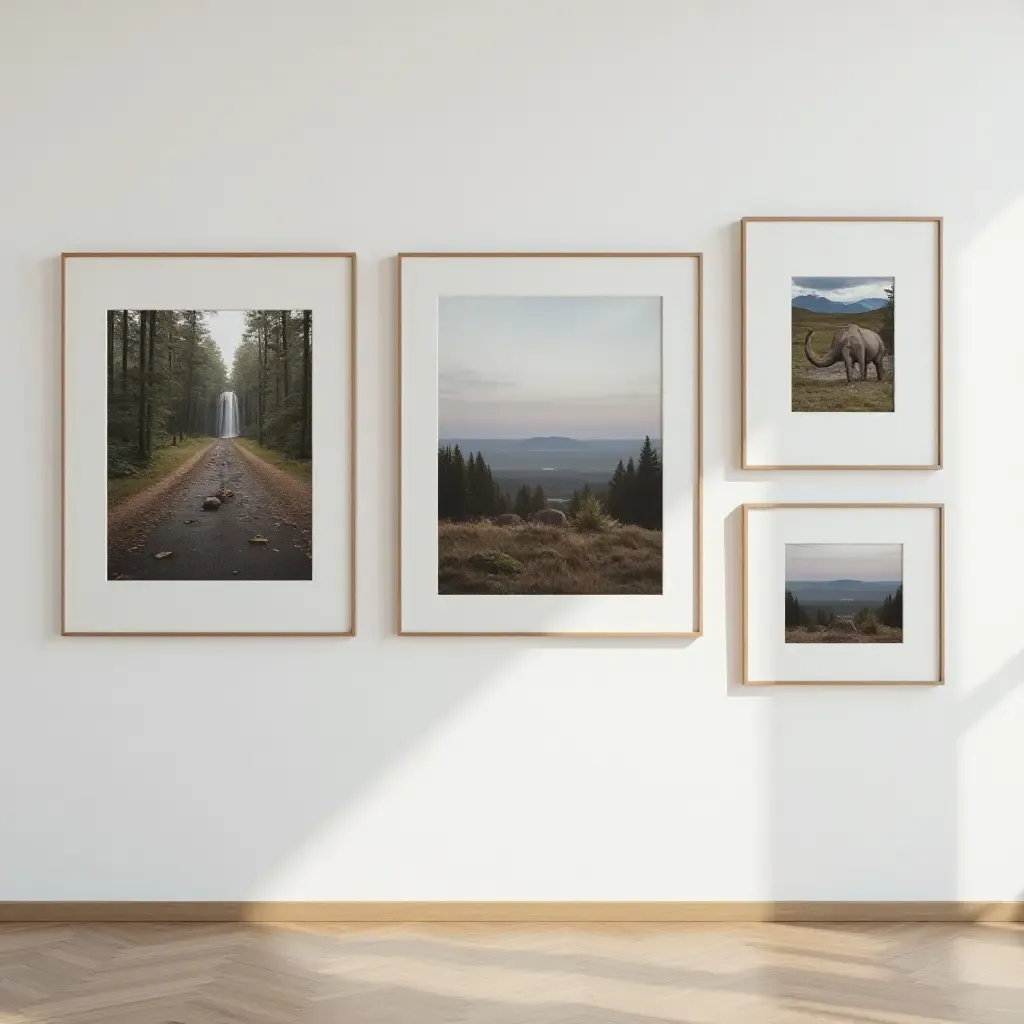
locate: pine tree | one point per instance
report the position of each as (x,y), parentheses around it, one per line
(539,499)
(647,511)
(579,496)
(887,330)
(891,612)
(466,488)
(470,485)
(616,493)
(794,613)
(523,504)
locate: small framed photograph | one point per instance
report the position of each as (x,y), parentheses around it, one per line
(208,459)
(843,594)
(550,444)
(842,343)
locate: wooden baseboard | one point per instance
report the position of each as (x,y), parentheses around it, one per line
(510,913)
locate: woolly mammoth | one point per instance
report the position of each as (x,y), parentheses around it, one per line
(549,517)
(508,519)
(851,345)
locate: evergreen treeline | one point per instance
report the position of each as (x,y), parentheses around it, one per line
(795,615)
(581,497)
(165,375)
(528,500)
(634,491)
(272,380)
(889,613)
(465,488)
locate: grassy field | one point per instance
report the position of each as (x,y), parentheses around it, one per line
(164,461)
(478,558)
(826,390)
(301,469)
(842,633)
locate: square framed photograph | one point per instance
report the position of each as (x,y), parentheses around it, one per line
(842,343)
(843,594)
(208,443)
(550,444)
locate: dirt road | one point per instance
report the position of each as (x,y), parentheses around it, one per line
(218,544)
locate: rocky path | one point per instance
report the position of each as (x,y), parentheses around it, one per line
(260,532)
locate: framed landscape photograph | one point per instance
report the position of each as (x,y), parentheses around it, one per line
(208,451)
(821,331)
(843,594)
(550,444)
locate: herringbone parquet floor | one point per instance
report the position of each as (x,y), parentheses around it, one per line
(782,974)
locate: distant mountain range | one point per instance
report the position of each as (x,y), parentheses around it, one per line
(844,597)
(550,443)
(819,304)
(843,584)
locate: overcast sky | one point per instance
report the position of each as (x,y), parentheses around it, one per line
(583,367)
(842,289)
(867,562)
(226,330)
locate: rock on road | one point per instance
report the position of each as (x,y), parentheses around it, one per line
(216,545)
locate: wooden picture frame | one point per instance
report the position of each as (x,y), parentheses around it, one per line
(772,423)
(893,524)
(323,282)
(528,274)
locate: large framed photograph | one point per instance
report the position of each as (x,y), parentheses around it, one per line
(842,343)
(208,459)
(550,444)
(843,594)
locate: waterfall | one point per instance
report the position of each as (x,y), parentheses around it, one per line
(227,415)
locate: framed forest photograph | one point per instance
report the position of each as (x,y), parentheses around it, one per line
(821,331)
(534,420)
(843,593)
(202,483)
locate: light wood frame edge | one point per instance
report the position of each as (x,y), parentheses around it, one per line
(744,599)
(539,913)
(698,631)
(937,221)
(353,427)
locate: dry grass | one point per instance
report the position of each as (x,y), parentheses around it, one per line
(480,558)
(301,469)
(827,390)
(842,634)
(167,461)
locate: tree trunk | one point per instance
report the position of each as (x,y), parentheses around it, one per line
(284,350)
(124,349)
(111,318)
(172,423)
(305,441)
(277,371)
(151,372)
(187,418)
(261,353)
(169,390)
(143,394)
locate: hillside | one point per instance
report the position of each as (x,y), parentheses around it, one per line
(843,632)
(819,304)
(827,390)
(479,558)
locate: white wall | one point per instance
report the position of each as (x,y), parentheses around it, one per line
(383,768)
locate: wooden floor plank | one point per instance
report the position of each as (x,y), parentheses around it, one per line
(521,974)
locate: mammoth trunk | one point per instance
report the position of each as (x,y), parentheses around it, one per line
(830,357)
(227,415)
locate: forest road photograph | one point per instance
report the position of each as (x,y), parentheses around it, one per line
(209,445)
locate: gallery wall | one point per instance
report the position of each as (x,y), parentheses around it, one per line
(385,768)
